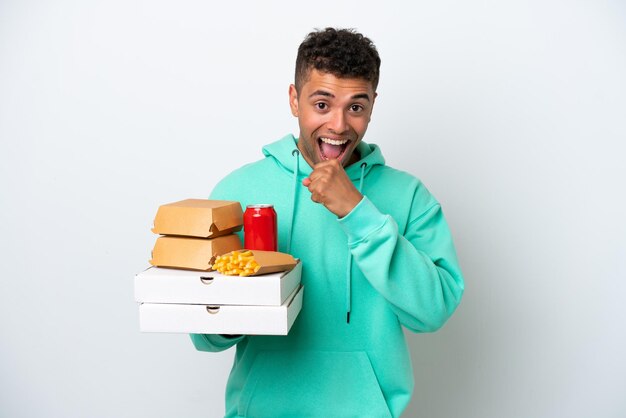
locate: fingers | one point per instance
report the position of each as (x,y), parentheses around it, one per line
(320,180)
(315,188)
(328,167)
(317,191)
(323,170)
(330,186)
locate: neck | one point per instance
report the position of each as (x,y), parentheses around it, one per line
(356,156)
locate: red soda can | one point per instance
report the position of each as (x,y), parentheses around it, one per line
(259,228)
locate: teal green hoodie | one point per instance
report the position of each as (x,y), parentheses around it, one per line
(389,263)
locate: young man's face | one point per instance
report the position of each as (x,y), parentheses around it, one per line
(333,114)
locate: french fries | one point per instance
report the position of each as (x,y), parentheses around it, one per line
(236,263)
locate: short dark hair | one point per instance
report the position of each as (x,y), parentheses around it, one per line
(343,53)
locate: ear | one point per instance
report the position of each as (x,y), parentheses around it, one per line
(293,100)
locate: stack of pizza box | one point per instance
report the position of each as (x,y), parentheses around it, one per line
(181,292)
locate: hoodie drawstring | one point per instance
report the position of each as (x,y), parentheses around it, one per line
(296,154)
(349,273)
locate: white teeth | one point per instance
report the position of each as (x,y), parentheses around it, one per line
(333,142)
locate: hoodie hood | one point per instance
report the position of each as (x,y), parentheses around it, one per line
(282,151)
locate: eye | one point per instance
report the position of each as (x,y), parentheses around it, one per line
(321,106)
(356,108)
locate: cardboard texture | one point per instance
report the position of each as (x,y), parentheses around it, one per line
(191,253)
(165,285)
(221,319)
(199,218)
(272,261)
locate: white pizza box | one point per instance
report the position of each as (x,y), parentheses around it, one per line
(166,285)
(221,319)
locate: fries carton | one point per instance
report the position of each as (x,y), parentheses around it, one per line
(253,262)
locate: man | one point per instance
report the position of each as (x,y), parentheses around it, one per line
(375,249)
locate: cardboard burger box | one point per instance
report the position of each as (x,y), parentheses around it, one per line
(201,218)
(191,253)
(194,232)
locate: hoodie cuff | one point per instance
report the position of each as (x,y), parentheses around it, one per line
(364,219)
(214,342)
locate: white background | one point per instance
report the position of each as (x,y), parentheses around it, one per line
(513,113)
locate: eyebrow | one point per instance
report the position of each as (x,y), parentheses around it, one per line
(328,94)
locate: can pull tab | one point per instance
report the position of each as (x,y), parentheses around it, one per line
(206,279)
(212,309)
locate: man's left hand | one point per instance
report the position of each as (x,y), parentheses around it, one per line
(330,185)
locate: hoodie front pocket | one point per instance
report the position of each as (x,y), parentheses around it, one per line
(312,384)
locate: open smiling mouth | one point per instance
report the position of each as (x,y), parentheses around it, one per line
(331,149)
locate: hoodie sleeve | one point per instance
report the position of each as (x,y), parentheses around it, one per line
(214,342)
(416,272)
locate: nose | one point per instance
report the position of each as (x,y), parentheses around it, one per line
(337,122)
